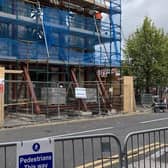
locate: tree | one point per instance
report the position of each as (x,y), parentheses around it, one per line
(146,56)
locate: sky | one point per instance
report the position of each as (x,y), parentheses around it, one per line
(134,11)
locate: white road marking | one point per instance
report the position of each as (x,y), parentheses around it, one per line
(149,121)
(81,132)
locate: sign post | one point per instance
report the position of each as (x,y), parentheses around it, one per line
(35,154)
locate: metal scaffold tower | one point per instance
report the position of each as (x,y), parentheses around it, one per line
(71,36)
(115,30)
(59,38)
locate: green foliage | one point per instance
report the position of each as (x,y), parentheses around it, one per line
(146,56)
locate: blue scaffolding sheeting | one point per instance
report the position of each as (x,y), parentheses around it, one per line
(71,37)
(76,36)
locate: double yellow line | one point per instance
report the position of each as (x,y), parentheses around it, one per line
(115,158)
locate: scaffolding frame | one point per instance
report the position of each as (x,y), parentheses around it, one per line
(29,52)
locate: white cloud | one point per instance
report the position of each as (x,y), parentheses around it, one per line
(134,11)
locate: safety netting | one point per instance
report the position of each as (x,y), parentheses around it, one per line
(76,36)
(71,38)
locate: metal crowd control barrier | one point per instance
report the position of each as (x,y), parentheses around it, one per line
(146,149)
(8,155)
(97,151)
(142,149)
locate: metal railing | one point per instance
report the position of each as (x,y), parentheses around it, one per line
(146,149)
(142,149)
(88,151)
(8,154)
(74,152)
(58,98)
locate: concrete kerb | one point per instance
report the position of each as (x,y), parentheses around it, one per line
(72,120)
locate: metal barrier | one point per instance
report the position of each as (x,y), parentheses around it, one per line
(142,149)
(8,155)
(75,152)
(88,151)
(58,98)
(146,149)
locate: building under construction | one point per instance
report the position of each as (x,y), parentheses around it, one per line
(61,55)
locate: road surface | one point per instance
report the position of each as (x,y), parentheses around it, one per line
(119,126)
(83,153)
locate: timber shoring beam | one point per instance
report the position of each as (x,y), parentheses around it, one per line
(31,89)
(74,79)
(103,92)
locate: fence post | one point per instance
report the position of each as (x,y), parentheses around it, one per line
(99,101)
(32,106)
(124,155)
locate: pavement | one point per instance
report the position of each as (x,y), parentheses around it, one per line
(25,119)
(28,127)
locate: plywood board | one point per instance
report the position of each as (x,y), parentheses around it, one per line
(2,88)
(13,71)
(90,4)
(129,96)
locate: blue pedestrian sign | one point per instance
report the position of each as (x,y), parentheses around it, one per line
(36,147)
(35,154)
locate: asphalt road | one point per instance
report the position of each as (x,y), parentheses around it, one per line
(82,152)
(120,126)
